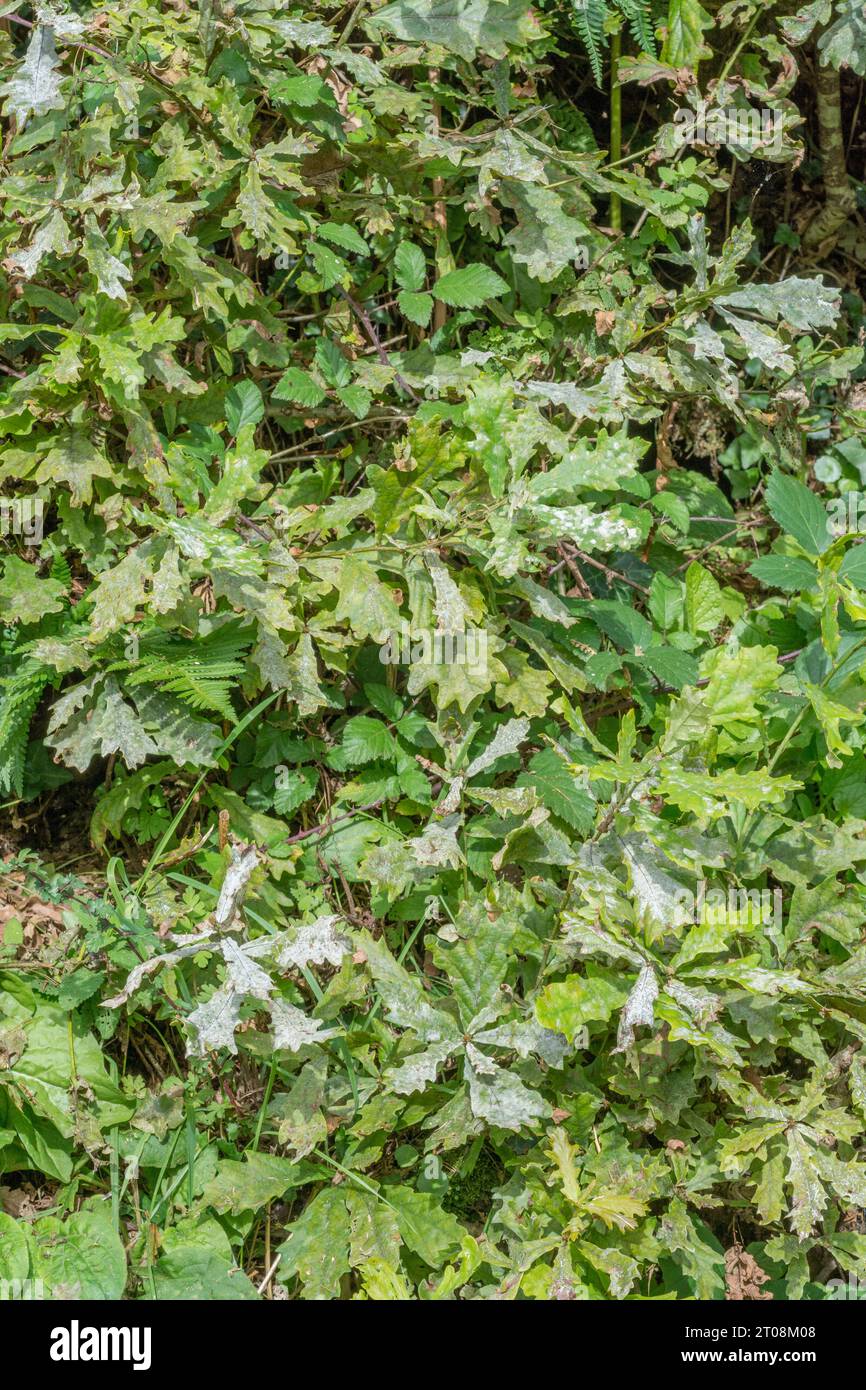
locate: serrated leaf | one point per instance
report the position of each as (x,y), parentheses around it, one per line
(244,406)
(786,572)
(418,308)
(298,386)
(410,266)
(799,512)
(470,287)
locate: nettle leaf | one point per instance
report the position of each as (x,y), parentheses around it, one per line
(799,512)
(410,266)
(853,566)
(418,308)
(298,386)
(366,740)
(244,406)
(470,287)
(786,572)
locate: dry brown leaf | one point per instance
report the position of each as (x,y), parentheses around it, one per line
(743,1276)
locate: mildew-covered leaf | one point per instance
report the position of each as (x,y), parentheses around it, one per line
(35,88)
(242,973)
(293,1029)
(500,1097)
(212,1025)
(314,943)
(638,1008)
(421,1070)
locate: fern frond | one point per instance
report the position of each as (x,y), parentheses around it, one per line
(638,16)
(589,17)
(200,685)
(60,570)
(19,696)
(202,672)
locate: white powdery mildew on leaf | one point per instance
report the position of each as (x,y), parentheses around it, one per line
(638,1008)
(589,529)
(528,1035)
(35,88)
(419,1071)
(293,1029)
(406,1004)
(243,974)
(212,1025)
(703,1006)
(314,943)
(452,613)
(51,236)
(245,858)
(507,739)
(437,847)
(500,1097)
(138,973)
(808,1197)
(658,895)
(451,800)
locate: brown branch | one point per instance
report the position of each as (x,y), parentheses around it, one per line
(370,329)
(328,824)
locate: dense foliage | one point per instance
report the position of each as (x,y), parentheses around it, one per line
(448,606)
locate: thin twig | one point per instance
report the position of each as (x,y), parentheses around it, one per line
(369,327)
(326,825)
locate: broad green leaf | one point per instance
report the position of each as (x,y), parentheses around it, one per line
(567,1006)
(24,597)
(799,512)
(246,1186)
(704,607)
(244,406)
(786,572)
(470,287)
(81,1257)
